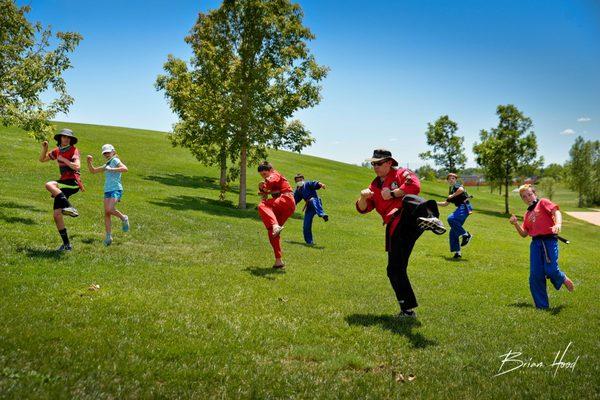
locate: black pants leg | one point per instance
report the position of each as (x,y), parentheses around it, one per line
(401,244)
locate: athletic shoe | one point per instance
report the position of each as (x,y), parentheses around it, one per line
(277,231)
(325,217)
(466,239)
(70,211)
(125,224)
(457,256)
(65,247)
(407,314)
(280,266)
(107,240)
(432,224)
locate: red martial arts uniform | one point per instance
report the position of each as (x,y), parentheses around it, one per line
(401,178)
(276,210)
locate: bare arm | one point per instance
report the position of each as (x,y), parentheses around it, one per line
(119,168)
(513,220)
(458,192)
(557,221)
(442,203)
(44,153)
(91,168)
(74,165)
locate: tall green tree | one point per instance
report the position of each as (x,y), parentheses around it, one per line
(29,67)
(581,169)
(251,71)
(448,151)
(508,149)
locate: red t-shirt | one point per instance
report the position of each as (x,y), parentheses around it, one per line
(539,221)
(70,153)
(277,183)
(401,178)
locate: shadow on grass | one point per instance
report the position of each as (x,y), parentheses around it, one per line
(263,272)
(310,246)
(452,259)
(17,220)
(90,240)
(210,206)
(34,252)
(499,214)
(403,327)
(196,182)
(12,204)
(552,310)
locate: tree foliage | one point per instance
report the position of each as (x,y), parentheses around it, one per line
(448,150)
(507,150)
(583,171)
(29,67)
(251,71)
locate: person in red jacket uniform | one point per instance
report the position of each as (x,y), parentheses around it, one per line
(67,157)
(393,194)
(276,210)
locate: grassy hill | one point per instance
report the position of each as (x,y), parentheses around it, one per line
(189,307)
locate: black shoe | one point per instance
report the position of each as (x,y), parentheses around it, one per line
(325,217)
(65,247)
(432,224)
(466,239)
(407,314)
(457,256)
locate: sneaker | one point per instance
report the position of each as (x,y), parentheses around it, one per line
(70,211)
(277,231)
(466,239)
(107,240)
(407,314)
(432,224)
(279,266)
(457,256)
(125,224)
(65,247)
(325,217)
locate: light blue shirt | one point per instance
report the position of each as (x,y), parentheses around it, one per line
(113,179)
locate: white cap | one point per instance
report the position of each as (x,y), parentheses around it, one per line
(107,148)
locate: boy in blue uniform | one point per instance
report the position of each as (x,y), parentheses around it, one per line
(458,196)
(307,190)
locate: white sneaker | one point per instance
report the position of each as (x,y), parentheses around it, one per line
(107,240)
(70,211)
(277,230)
(432,224)
(125,224)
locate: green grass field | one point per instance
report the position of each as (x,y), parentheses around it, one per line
(189,307)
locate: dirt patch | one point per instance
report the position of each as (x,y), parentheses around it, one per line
(591,217)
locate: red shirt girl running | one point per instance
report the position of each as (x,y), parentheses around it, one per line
(276,210)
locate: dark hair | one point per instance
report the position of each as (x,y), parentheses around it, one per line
(299,176)
(264,166)
(59,142)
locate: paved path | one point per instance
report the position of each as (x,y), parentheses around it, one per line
(591,217)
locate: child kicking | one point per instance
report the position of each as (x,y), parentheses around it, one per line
(113,188)
(543,222)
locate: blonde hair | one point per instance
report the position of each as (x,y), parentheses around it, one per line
(526,186)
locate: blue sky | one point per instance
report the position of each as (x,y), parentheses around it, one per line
(395,66)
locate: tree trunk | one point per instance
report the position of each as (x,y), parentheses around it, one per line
(243,161)
(223,178)
(580,202)
(506,179)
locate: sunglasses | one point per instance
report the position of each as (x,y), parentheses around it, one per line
(378,163)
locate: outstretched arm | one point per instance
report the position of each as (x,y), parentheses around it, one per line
(44,153)
(119,168)
(557,221)
(513,220)
(91,168)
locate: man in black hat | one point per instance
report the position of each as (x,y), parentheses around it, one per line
(393,193)
(67,157)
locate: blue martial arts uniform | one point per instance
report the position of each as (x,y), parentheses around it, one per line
(543,263)
(458,217)
(308,192)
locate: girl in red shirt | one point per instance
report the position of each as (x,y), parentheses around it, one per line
(276,210)
(543,222)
